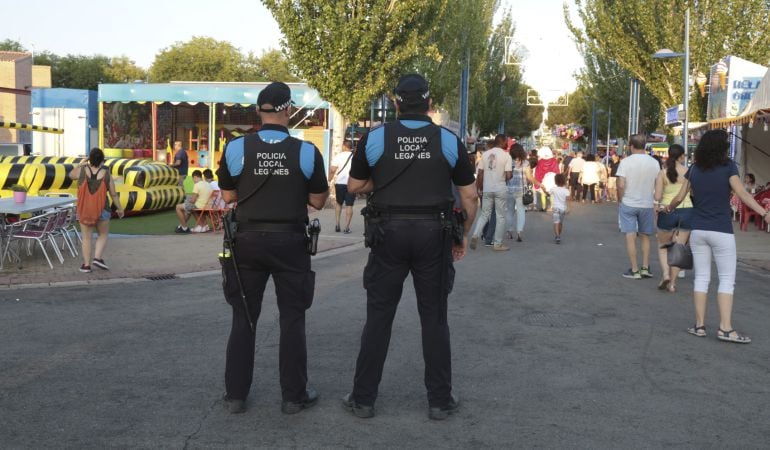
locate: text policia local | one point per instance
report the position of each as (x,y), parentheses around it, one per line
(412,147)
(268,161)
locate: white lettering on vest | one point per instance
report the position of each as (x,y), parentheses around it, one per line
(410,147)
(268,161)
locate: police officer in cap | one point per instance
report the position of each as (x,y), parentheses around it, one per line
(273,177)
(410,166)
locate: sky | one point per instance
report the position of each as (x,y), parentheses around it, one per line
(141,28)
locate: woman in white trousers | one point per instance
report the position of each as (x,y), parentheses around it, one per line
(710,180)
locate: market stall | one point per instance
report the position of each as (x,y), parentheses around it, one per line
(146,119)
(751,146)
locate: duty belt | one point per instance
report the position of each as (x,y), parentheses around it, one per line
(418,216)
(272,227)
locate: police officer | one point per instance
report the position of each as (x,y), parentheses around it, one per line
(409,166)
(272,176)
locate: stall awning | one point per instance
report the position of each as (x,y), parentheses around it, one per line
(193,92)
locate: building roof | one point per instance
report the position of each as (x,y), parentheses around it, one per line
(206,92)
(13,56)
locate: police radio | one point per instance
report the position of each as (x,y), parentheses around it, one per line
(313,230)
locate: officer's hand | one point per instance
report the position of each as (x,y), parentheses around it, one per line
(458,251)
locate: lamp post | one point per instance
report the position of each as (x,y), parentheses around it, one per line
(666,53)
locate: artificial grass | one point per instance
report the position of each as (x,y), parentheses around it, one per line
(157,223)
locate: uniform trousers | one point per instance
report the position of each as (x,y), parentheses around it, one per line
(259,255)
(419,247)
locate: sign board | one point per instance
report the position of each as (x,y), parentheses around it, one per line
(672,114)
(732,82)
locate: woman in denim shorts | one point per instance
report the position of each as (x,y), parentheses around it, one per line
(667,185)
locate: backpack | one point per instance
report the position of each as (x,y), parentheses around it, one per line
(92,196)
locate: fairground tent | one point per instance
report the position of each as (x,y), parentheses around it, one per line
(752,150)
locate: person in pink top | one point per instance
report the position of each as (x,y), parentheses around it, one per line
(545,171)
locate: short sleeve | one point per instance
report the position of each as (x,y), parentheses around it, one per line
(226,181)
(359,165)
(733,168)
(508,163)
(317,183)
(462,174)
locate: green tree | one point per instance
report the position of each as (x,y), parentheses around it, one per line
(272,65)
(352,51)
(464,32)
(604,85)
(200,59)
(80,71)
(629,32)
(499,93)
(46,58)
(121,69)
(9,45)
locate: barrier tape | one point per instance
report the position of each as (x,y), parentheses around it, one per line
(29,127)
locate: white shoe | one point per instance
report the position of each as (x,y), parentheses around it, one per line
(681,274)
(196,229)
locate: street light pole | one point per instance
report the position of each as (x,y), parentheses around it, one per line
(686,91)
(609,123)
(666,53)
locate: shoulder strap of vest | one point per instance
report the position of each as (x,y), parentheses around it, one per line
(241,201)
(400,172)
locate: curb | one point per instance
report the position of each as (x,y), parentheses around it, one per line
(107,281)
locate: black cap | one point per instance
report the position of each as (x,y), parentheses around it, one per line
(277,95)
(412,88)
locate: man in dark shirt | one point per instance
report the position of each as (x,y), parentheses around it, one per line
(180,162)
(612,185)
(273,177)
(409,166)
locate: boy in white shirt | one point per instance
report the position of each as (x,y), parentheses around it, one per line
(559,198)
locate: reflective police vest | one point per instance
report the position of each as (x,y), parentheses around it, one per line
(282,197)
(427,182)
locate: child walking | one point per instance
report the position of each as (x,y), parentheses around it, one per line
(559,199)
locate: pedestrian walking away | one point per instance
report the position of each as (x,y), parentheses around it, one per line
(273,177)
(612,186)
(667,186)
(590,176)
(545,173)
(711,179)
(338,175)
(95,184)
(410,227)
(560,197)
(573,171)
(636,214)
(517,185)
(494,171)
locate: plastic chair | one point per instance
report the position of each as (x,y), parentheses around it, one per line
(36,229)
(746,215)
(211,213)
(61,229)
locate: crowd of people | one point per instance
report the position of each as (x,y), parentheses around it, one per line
(510,181)
(665,198)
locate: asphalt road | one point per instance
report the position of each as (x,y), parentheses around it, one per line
(140,365)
